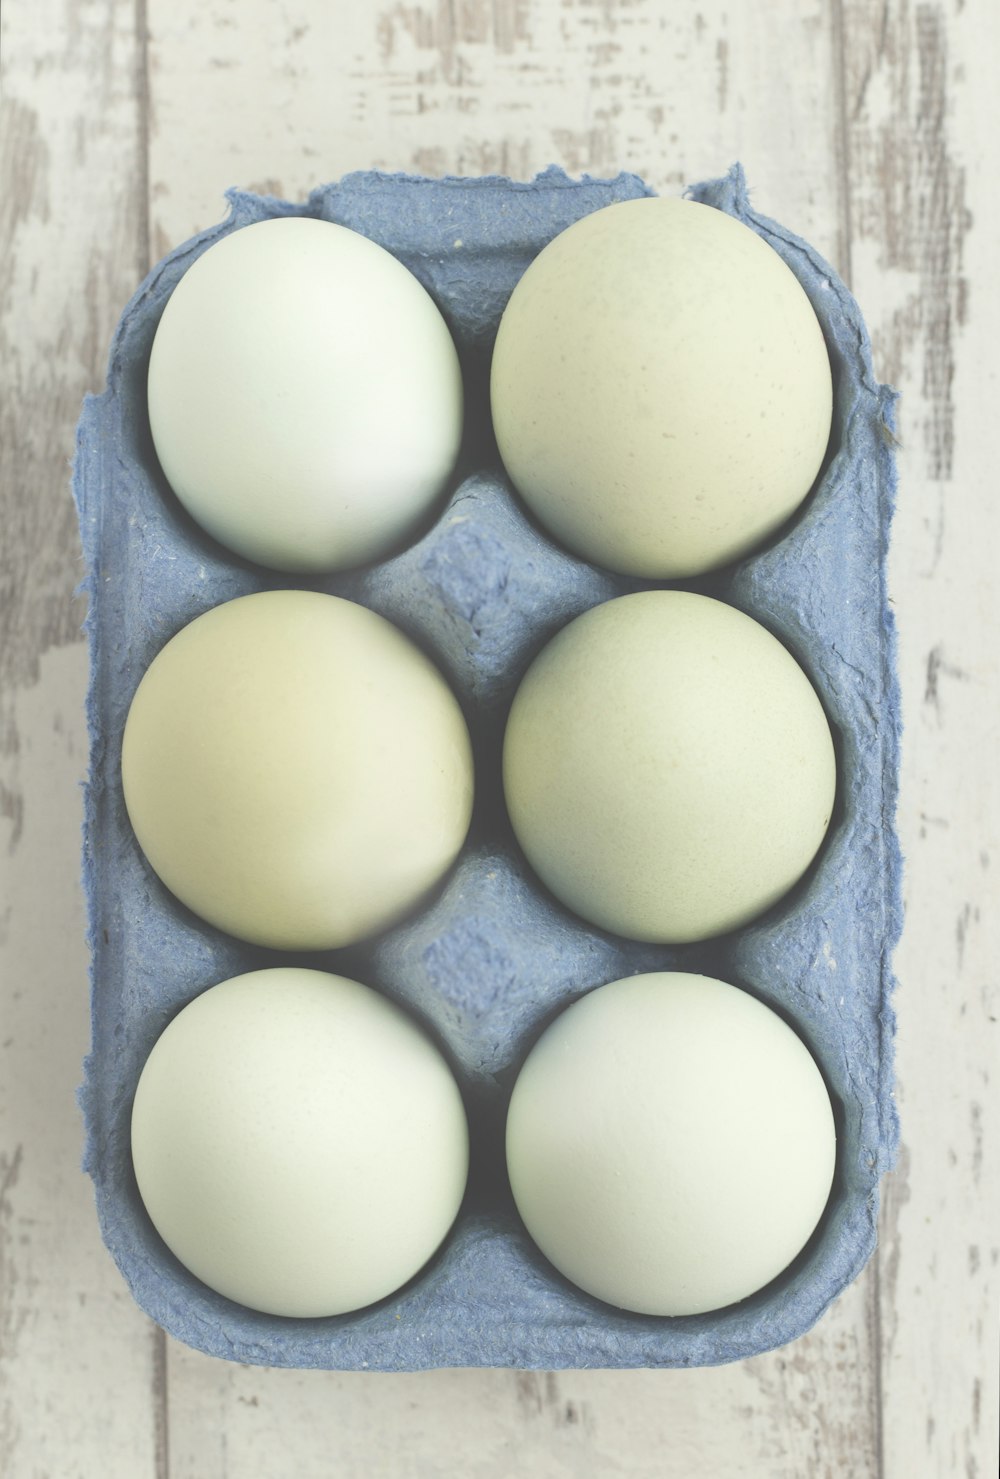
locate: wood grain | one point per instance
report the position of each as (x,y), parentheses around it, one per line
(473,87)
(75,1353)
(861,125)
(920,97)
(75,1368)
(773,1416)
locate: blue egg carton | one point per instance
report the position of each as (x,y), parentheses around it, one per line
(493,957)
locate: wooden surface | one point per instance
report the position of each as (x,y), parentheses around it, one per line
(868,126)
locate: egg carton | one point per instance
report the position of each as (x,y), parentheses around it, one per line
(493,957)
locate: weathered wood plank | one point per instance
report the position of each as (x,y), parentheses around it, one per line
(76,1368)
(783,1416)
(284,100)
(281,98)
(921,99)
(75,1355)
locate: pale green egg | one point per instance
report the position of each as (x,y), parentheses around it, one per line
(668,767)
(661,389)
(670,1144)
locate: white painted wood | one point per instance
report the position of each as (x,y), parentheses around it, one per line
(291,95)
(784,1416)
(76,1356)
(868,129)
(921,101)
(77,1359)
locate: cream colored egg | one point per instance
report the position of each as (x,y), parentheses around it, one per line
(299,1143)
(661,390)
(670,1144)
(305,396)
(296,771)
(668,768)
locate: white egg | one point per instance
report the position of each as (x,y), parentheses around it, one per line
(299,1143)
(296,771)
(661,389)
(668,768)
(670,1144)
(305,396)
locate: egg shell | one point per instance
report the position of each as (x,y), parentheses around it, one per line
(491,959)
(281,353)
(281,1125)
(668,768)
(296,770)
(660,387)
(670,1143)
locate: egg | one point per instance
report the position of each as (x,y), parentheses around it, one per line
(661,389)
(296,771)
(670,1144)
(305,396)
(668,767)
(299,1142)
